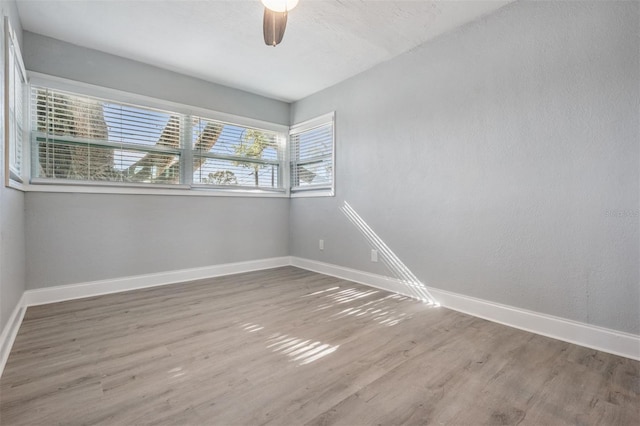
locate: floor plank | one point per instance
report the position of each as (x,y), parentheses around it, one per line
(288,346)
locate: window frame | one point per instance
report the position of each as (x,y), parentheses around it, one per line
(37,137)
(14,174)
(313,123)
(281,139)
(186,187)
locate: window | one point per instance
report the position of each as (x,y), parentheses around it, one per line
(80,138)
(15,83)
(227,154)
(312,156)
(77,138)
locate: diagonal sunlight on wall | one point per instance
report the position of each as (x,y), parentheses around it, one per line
(412,284)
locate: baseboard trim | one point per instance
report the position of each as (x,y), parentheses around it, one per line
(587,335)
(62,293)
(599,338)
(590,336)
(10,332)
(355,275)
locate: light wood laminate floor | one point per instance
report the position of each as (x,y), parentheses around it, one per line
(291,347)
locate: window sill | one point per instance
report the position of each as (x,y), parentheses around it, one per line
(314,193)
(18,186)
(180,190)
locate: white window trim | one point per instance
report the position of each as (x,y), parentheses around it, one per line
(308,125)
(12,178)
(57,83)
(142,189)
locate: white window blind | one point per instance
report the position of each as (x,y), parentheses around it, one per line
(79,138)
(83,138)
(232,155)
(15,84)
(312,154)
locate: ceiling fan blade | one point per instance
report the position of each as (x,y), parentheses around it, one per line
(274,24)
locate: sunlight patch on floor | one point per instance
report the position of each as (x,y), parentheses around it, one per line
(351,302)
(378,310)
(298,350)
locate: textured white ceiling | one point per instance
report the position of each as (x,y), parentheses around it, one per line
(326,41)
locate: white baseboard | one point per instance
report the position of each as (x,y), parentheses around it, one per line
(372,280)
(590,336)
(606,340)
(10,331)
(61,293)
(599,338)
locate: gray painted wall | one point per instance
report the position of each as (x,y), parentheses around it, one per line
(12,236)
(60,59)
(74,238)
(499,161)
(12,251)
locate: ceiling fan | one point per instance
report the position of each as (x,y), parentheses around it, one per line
(275,19)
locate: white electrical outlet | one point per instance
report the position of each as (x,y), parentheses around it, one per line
(374,255)
(321,244)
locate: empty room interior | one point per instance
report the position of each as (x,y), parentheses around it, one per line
(320,212)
